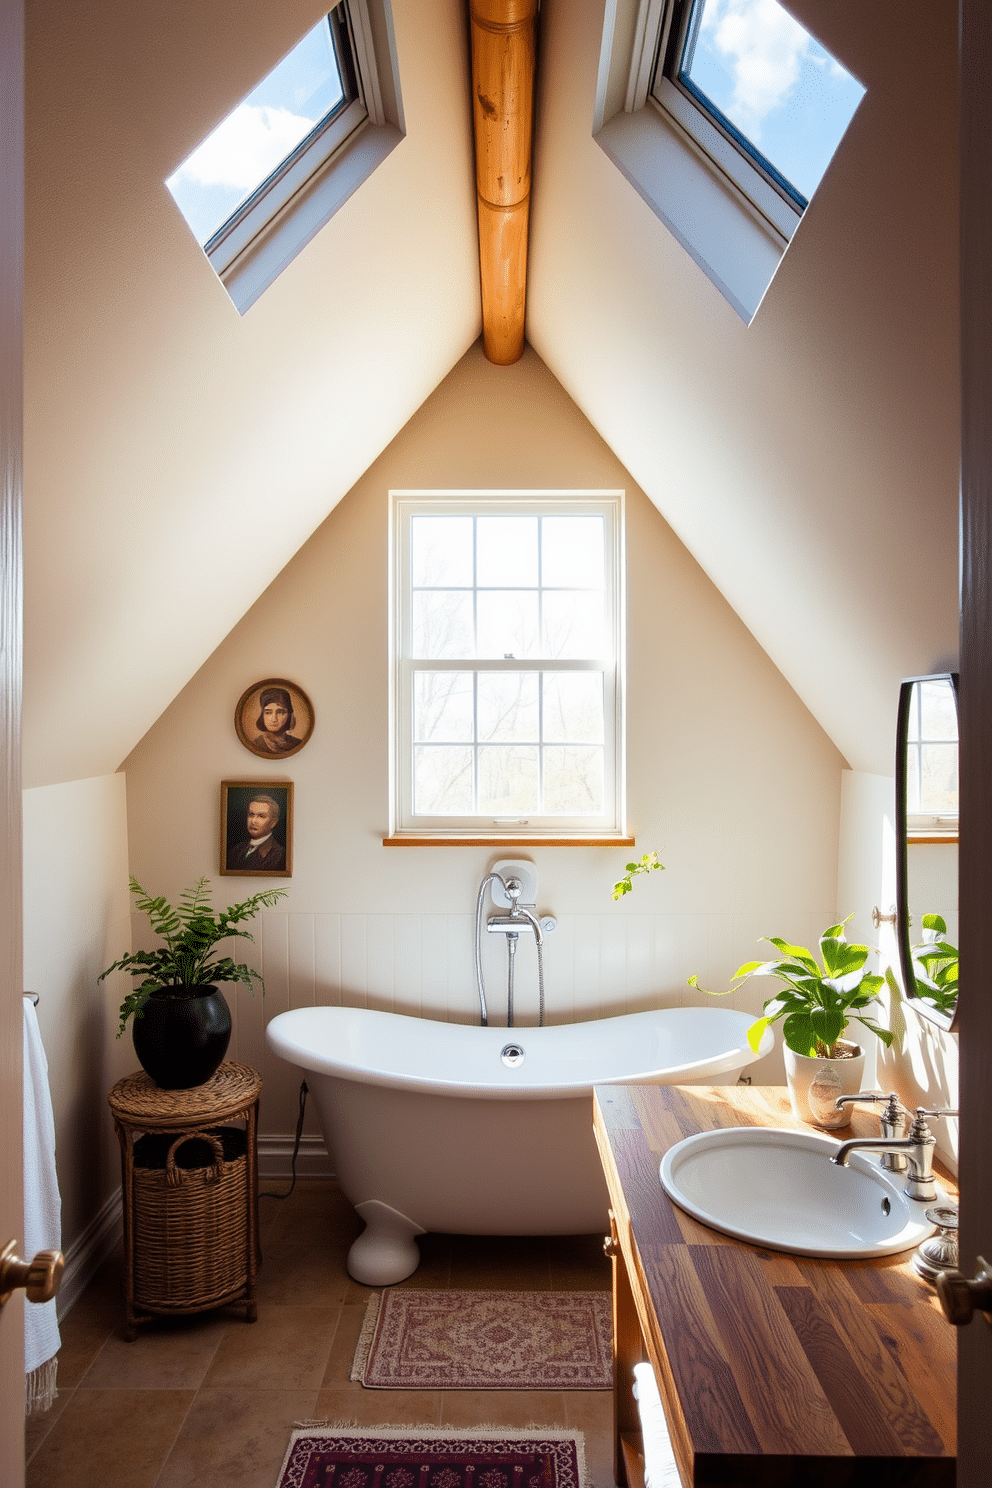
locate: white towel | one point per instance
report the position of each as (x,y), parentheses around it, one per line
(42,1213)
(660,1467)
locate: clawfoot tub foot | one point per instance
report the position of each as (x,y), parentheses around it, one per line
(385,1252)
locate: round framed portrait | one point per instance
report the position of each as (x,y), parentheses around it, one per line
(274,718)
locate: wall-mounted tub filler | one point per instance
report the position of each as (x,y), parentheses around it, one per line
(525,872)
(508,883)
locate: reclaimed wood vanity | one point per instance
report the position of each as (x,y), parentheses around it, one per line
(773,1369)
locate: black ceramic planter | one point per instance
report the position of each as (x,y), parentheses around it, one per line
(181,1041)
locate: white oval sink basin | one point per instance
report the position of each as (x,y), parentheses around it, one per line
(779,1189)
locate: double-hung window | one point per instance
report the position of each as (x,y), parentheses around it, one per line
(507,666)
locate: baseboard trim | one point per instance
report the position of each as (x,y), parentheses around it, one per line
(88,1252)
(275,1157)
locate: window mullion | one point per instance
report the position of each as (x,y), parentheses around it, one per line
(475,672)
(475,743)
(540,741)
(514,664)
(541,633)
(475,585)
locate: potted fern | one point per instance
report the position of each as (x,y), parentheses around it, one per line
(817,1002)
(180,1021)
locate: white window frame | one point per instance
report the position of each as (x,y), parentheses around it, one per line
(404,825)
(251,249)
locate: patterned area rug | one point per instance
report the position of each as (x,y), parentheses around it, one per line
(450,1340)
(325,1456)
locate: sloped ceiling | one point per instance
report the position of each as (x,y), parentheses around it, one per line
(809,461)
(177,455)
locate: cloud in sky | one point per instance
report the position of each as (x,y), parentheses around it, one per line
(245,148)
(763,49)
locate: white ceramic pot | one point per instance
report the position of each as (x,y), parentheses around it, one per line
(815,1084)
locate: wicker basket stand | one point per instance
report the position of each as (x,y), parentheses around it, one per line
(190,1231)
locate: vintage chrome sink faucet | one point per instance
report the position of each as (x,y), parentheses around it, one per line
(918,1146)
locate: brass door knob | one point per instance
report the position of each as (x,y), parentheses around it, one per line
(40,1278)
(961,1297)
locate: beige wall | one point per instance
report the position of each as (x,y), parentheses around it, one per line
(164,433)
(76,921)
(729,777)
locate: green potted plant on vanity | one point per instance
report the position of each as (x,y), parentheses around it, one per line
(817,1002)
(181,1024)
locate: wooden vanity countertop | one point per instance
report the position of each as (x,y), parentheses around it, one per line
(774,1369)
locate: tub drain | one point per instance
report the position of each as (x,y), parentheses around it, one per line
(512,1054)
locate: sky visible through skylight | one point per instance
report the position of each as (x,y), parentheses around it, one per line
(259,134)
(776,84)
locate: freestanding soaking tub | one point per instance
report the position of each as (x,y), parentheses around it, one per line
(483,1131)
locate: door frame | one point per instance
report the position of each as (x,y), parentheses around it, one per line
(975,845)
(11,648)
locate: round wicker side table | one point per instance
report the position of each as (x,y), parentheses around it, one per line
(190,1233)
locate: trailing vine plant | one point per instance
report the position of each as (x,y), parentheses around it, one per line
(647,864)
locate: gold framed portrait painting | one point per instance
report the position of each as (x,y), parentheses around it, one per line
(256,828)
(274,718)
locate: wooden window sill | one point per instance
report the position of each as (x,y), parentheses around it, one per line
(438,840)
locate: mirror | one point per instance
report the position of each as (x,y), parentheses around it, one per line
(927,845)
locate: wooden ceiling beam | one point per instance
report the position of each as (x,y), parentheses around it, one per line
(502,106)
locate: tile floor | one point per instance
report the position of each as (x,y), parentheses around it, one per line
(208,1402)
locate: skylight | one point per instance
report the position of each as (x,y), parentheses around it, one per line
(301,95)
(273,173)
(768,84)
(724,115)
